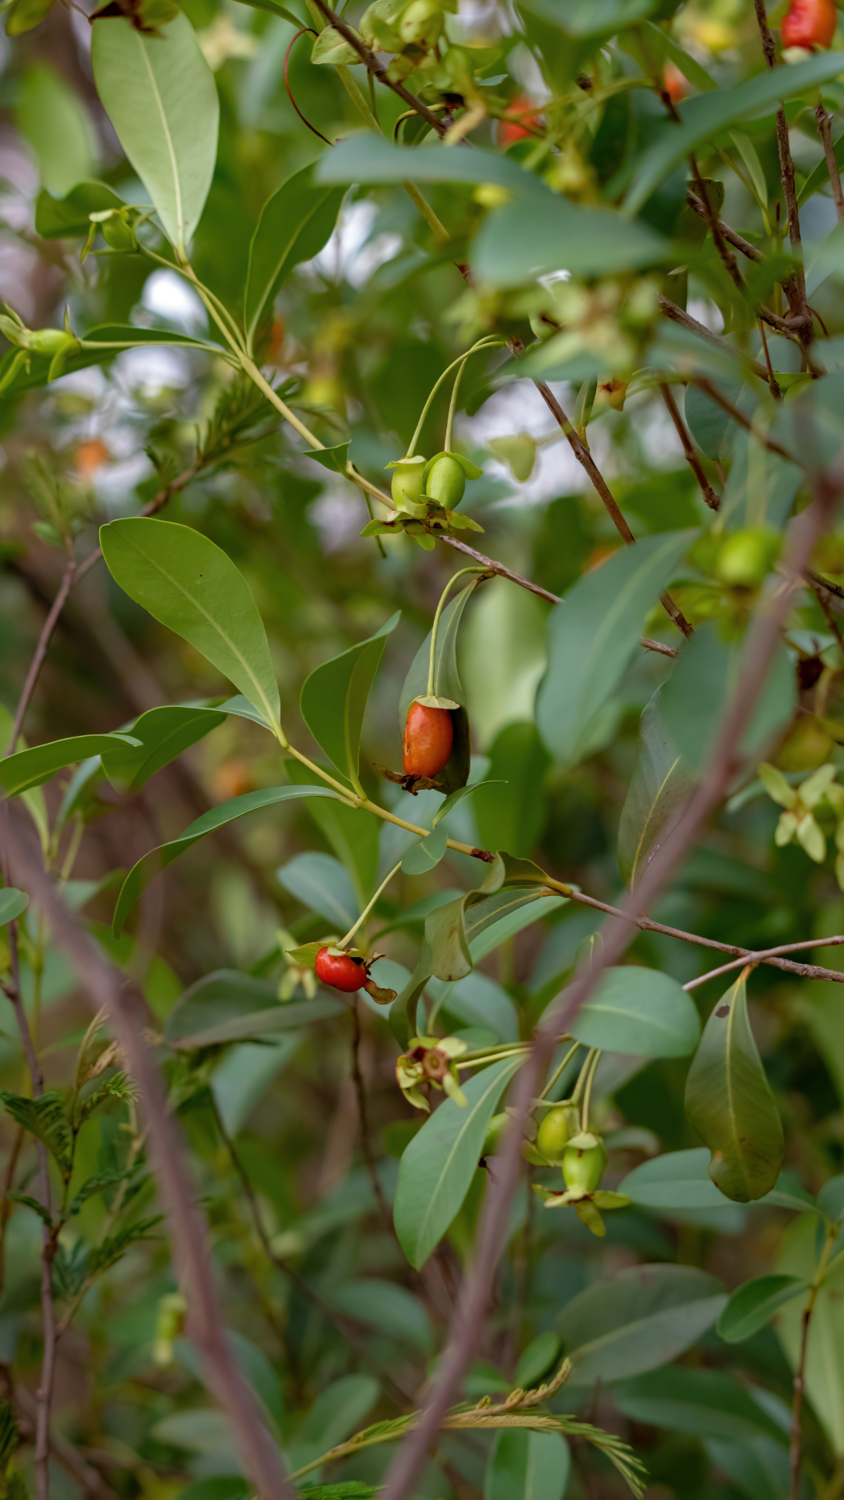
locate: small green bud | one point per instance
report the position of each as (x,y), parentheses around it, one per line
(583,1167)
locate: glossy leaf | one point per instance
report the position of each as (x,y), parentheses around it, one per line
(680,1180)
(425,855)
(163,734)
(333,700)
(322,883)
(759,1466)
(295,224)
(451,930)
(707,114)
(28,768)
(192,586)
(730,1105)
(527,1466)
(593,635)
(754,1304)
(158,859)
(371,158)
(640,1012)
(229,1006)
(659,790)
(707,1403)
(437,1167)
(12,904)
(160,96)
(695,697)
(537,1359)
(62,218)
(636,1320)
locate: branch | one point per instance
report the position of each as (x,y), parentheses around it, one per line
(823,120)
(41,651)
(757,656)
(378,70)
(709,214)
(730,235)
(501,570)
(715,394)
(88,1479)
(758,958)
(709,495)
(691,325)
(107,990)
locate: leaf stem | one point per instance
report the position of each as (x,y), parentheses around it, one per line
(558,1072)
(344,941)
(432,656)
(488,342)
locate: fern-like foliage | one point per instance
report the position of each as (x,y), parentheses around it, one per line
(117,1087)
(46,1120)
(115,1246)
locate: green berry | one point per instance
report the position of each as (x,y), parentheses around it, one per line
(446,481)
(556,1130)
(583,1167)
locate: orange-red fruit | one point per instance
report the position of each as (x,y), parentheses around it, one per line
(340,971)
(428,738)
(809,23)
(674,83)
(510,129)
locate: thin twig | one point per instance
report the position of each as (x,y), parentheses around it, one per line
(41,651)
(106,989)
(760,645)
(694,463)
(758,958)
(727,233)
(824,121)
(501,570)
(822,595)
(88,1479)
(378,70)
(727,257)
(363,1115)
(684,320)
(715,394)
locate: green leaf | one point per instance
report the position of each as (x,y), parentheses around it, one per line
(730,1105)
(93,1185)
(697,695)
(33,767)
(831,1198)
(591,18)
(753,1305)
(158,859)
(527,1466)
(338,1410)
(522,240)
(294,225)
(354,839)
(636,1320)
(424,856)
(680,1180)
(708,422)
(824,1361)
(228,1006)
(12,903)
(708,114)
(163,733)
(27,1202)
(63,218)
(639,1012)
(322,883)
(23,15)
(659,789)
(45,1119)
(708,1403)
(393,1310)
(160,96)
(510,810)
(52,118)
(540,1354)
(333,700)
(593,635)
(758,1465)
(370,158)
(192,586)
(437,1167)
(334,459)
(453,931)
(451,802)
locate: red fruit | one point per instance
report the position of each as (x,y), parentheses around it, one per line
(809,23)
(340,971)
(428,738)
(674,83)
(510,129)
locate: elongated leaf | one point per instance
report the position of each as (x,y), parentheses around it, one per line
(229,1006)
(454,930)
(696,696)
(679,1180)
(334,698)
(370,158)
(526,239)
(149,866)
(12,903)
(824,1363)
(33,767)
(424,856)
(758,1465)
(753,1305)
(658,792)
(160,96)
(60,218)
(101,345)
(708,114)
(390,1308)
(322,883)
(593,635)
(294,225)
(640,1012)
(707,422)
(730,1105)
(437,1167)
(637,1320)
(527,1466)
(191,586)
(163,734)
(705,1402)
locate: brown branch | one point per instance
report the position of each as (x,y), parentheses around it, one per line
(820,592)
(587,462)
(659,646)
(377,69)
(715,394)
(727,257)
(88,1479)
(758,958)
(41,651)
(726,232)
(694,463)
(761,643)
(824,120)
(502,572)
(106,989)
(691,325)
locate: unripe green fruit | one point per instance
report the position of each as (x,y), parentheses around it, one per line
(745,557)
(408,482)
(51,340)
(118,234)
(495,1130)
(584,1168)
(446,481)
(556,1130)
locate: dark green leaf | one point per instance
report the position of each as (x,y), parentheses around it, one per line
(163,734)
(370,158)
(294,225)
(12,904)
(659,789)
(94,1185)
(228,1006)
(114,1247)
(437,1167)
(705,1402)
(192,586)
(708,422)
(696,697)
(63,218)
(639,1012)
(424,856)
(753,1305)
(354,839)
(33,767)
(322,883)
(149,866)
(730,1105)
(526,239)
(334,697)
(636,1320)
(509,809)
(527,1466)
(27,1202)
(680,1180)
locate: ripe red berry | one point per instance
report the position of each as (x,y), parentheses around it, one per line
(510,129)
(674,83)
(427,742)
(340,971)
(809,23)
